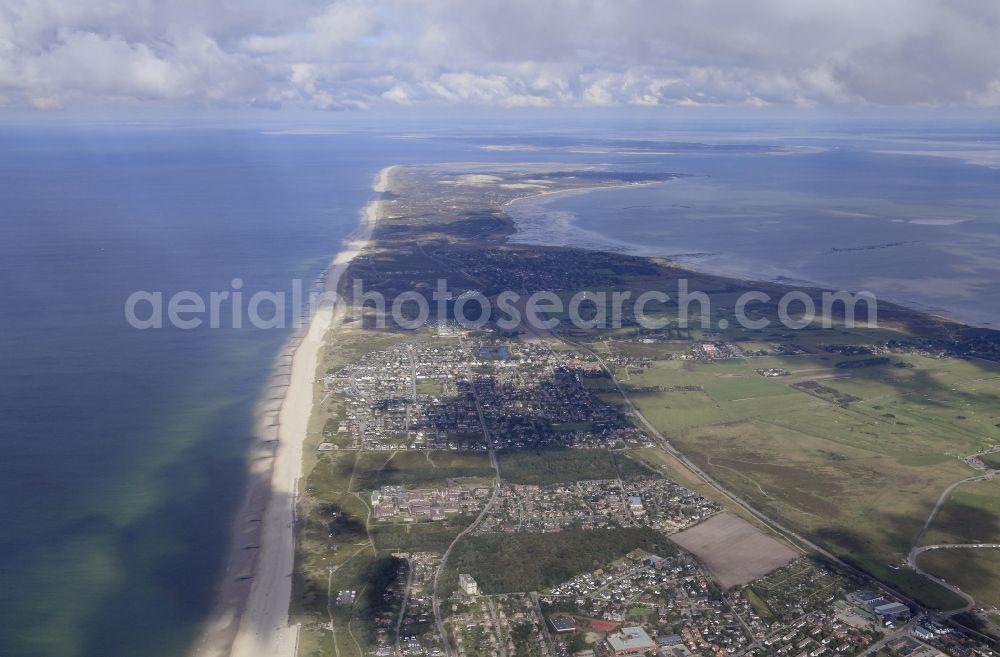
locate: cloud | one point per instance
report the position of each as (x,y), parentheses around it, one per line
(357,54)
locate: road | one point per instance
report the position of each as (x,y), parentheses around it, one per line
(402,607)
(911,559)
(435,595)
(497,630)
(789,535)
(944,498)
(902,631)
(549,645)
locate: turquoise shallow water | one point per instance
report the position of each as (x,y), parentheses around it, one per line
(123,450)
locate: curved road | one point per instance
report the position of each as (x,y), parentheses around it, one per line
(944,498)
(435,598)
(782,530)
(911,559)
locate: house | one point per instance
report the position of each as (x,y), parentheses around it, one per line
(673,651)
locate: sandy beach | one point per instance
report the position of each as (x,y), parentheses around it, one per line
(251,618)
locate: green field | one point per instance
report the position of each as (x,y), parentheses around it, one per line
(506,563)
(552,466)
(971,515)
(334,534)
(858,477)
(418,468)
(977,572)
(854,457)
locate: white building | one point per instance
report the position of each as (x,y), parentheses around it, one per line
(469,586)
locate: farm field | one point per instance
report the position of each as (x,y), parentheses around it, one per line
(734,551)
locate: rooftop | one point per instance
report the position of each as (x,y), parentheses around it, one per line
(630,638)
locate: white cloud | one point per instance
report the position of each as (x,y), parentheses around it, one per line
(352,53)
(397,94)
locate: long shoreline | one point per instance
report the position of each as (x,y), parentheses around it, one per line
(251,614)
(591,240)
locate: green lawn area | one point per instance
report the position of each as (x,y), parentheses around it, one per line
(428,387)
(758,604)
(551,466)
(977,572)
(858,479)
(418,468)
(640,613)
(971,515)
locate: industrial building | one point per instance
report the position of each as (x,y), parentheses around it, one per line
(630,641)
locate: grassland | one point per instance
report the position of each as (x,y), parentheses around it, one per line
(992,460)
(341,548)
(551,466)
(418,468)
(858,478)
(334,553)
(971,515)
(977,572)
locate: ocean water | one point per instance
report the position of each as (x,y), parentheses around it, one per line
(914,219)
(122,452)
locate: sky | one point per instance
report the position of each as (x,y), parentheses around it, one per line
(377,54)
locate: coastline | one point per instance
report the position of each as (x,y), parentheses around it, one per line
(251,615)
(563,231)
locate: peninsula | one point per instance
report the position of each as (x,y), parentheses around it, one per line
(481,488)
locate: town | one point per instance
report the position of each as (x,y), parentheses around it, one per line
(450,393)
(618,491)
(647,502)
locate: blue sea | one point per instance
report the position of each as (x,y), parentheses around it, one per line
(124,450)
